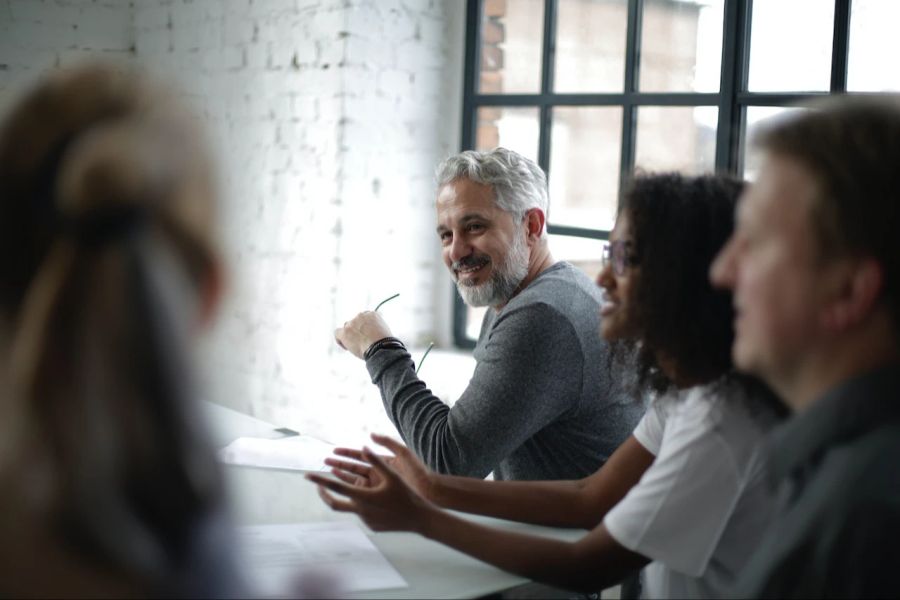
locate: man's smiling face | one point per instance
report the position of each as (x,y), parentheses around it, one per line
(483,246)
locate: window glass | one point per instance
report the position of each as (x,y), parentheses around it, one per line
(590,46)
(790,45)
(680,49)
(756,116)
(584,253)
(513,128)
(474,317)
(873,42)
(680,138)
(584,166)
(511,35)
(681,46)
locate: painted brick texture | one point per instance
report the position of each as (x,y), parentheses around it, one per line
(327,118)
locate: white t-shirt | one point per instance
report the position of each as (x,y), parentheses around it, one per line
(698,512)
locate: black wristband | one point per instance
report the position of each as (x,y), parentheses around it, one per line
(388,342)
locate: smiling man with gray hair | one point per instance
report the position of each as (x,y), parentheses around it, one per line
(542,403)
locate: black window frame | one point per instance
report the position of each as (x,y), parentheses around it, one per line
(733,98)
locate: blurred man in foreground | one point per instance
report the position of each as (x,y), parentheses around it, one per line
(815,267)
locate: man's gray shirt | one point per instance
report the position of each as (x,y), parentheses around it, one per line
(541,404)
(837,468)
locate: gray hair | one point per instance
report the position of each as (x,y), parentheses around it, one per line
(518,183)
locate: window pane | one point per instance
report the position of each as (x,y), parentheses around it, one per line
(681,46)
(590,46)
(756,116)
(676,138)
(584,253)
(586,140)
(474,317)
(513,128)
(790,45)
(873,38)
(511,34)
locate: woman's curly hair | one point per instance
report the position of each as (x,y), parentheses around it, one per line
(678,225)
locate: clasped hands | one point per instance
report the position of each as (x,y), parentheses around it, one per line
(389,493)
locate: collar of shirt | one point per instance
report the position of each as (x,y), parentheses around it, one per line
(853,408)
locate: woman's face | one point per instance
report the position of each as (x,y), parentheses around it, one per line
(618,278)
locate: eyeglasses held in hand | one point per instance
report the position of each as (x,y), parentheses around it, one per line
(430,346)
(386,300)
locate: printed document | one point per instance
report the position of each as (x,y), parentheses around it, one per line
(332,557)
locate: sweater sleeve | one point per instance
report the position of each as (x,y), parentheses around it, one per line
(530,374)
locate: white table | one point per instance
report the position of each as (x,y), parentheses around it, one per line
(432,570)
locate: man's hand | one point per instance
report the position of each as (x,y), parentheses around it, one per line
(362,331)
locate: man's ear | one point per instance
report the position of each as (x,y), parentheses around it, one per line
(858,291)
(534,221)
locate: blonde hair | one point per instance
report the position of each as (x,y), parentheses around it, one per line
(106,243)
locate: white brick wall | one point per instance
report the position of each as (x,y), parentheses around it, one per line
(327,117)
(38,35)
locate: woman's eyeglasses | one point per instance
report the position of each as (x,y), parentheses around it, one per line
(618,254)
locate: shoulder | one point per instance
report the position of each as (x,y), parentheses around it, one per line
(680,422)
(714,417)
(562,281)
(535,318)
(694,408)
(563,291)
(868,467)
(560,309)
(730,405)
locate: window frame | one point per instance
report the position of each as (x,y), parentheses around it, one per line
(732,99)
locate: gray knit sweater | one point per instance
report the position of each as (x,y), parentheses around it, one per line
(541,404)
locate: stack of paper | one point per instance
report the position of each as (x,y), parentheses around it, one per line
(299,453)
(314,560)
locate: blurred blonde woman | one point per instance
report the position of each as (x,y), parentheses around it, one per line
(108,486)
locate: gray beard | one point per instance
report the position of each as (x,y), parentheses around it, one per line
(504,281)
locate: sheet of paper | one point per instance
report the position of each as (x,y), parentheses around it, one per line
(226,425)
(332,558)
(299,452)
